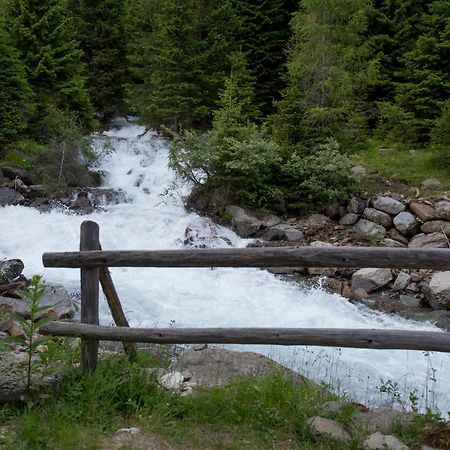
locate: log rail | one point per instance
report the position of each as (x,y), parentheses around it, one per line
(94,264)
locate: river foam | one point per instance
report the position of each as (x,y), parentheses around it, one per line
(154,218)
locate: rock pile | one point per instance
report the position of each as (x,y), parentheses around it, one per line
(398,222)
(17,187)
(12,303)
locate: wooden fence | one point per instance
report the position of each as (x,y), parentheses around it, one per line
(94,264)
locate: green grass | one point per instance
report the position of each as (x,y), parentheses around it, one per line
(403,163)
(264,413)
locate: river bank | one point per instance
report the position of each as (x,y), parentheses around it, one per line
(154,218)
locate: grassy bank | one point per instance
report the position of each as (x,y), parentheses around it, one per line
(402,165)
(266,413)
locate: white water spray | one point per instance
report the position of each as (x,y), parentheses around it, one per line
(153,219)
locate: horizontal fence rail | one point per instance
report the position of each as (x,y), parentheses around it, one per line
(355,338)
(401,258)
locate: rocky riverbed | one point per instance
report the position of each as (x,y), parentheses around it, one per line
(383,220)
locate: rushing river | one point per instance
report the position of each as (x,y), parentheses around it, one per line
(154,218)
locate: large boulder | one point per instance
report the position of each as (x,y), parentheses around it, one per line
(283,232)
(388,205)
(370,279)
(423,211)
(327,428)
(369,229)
(436,226)
(432,240)
(379,441)
(443,209)
(9,196)
(378,217)
(58,300)
(438,291)
(10,269)
(13,173)
(243,223)
(211,367)
(406,223)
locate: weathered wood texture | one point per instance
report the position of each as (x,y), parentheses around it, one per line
(89,240)
(357,338)
(437,259)
(116,309)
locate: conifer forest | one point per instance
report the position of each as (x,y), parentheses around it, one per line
(262,100)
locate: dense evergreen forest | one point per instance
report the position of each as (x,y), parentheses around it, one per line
(263,99)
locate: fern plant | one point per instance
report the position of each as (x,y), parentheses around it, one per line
(30,339)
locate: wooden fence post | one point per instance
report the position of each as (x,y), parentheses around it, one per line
(116,309)
(89,240)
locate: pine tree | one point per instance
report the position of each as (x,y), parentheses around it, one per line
(264,35)
(46,42)
(14,91)
(101,34)
(184,61)
(329,70)
(426,84)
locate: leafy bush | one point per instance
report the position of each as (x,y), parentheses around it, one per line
(321,176)
(239,160)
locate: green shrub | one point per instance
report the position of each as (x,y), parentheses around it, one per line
(321,176)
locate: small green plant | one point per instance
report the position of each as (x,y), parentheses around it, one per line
(30,341)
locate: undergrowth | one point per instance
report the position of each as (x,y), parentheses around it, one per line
(264,413)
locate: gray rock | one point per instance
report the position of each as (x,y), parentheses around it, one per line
(397,236)
(367,228)
(327,428)
(379,441)
(349,219)
(14,306)
(388,205)
(282,232)
(436,226)
(357,205)
(293,234)
(432,240)
(57,298)
(244,224)
(172,381)
(438,291)
(382,419)
(9,196)
(213,367)
(431,183)
(392,243)
(270,221)
(10,269)
(378,217)
(423,211)
(406,223)
(370,279)
(443,209)
(105,196)
(401,281)
(13,173)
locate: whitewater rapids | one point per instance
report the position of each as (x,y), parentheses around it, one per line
(154,218)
